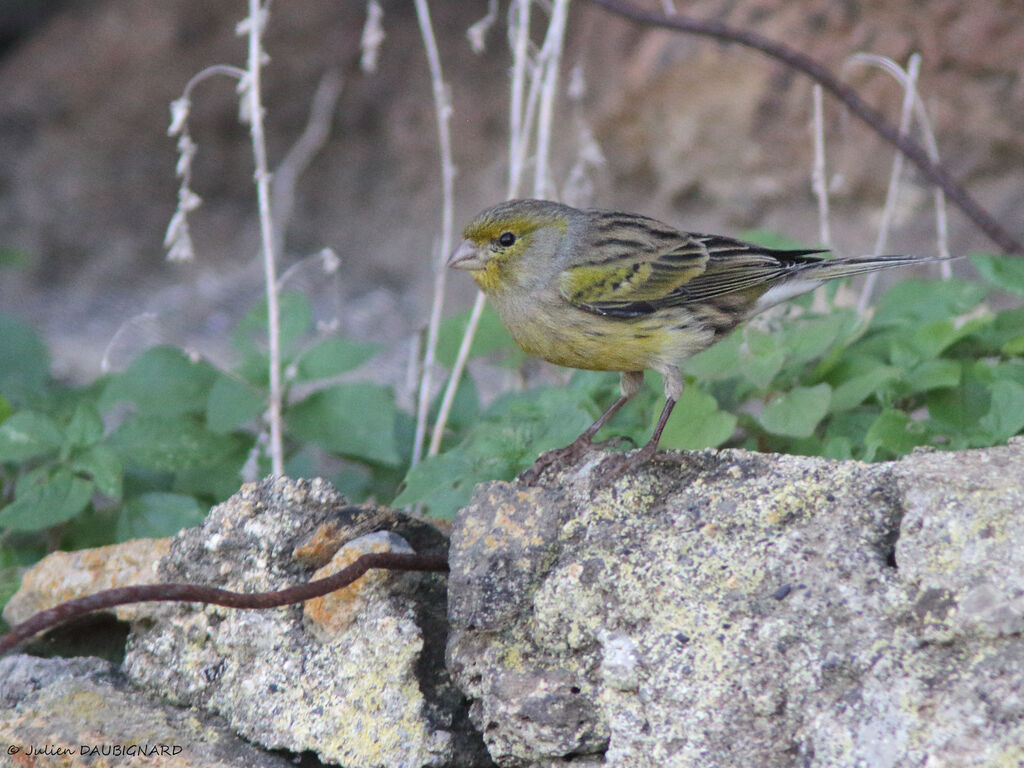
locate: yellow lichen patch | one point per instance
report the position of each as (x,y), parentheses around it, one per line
(63,576)
(334,612)
(321,546)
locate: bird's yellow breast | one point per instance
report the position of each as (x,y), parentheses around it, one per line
(579,339)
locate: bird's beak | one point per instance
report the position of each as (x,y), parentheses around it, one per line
(466,256)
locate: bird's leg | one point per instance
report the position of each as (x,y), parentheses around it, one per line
(646,453)
(629,384)
(673,391)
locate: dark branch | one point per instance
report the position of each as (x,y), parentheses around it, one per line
(803,63)
(149,593)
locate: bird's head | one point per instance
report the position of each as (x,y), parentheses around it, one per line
(511,242)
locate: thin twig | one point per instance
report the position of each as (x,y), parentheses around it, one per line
(924,125)
(819,184)
(302,152)
(195,593)
(253,27)
(456,376)
(518,139)
(892,193)
(549,61)
(442,110)
(819,174)
(803,63)
(518,130)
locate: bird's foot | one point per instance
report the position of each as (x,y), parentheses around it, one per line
(614,467)
(560,457)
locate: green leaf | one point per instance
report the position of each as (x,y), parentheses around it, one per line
(856,389)
(296,322)
(896,433)
(934,374)
(718,361)
(696,422)
(14,258)
(913,302)
(168,444)
(769,238)
(516,428)
(27,435)
(162,381)
(519,426)
(929,340)
(1001,271)
(86,426)
(809,337)
(491,335)
(1013,347)
(218,479)
(333,356)
(103,465)
(796,413)
(464,412)
(10,583)
(44,499)
(1005,418)
(838,448)
(444,482)
(232,403)
(956,411)
(157,514)
(761,357)
(849,428)
(90,528)
(26,362)
(355,420)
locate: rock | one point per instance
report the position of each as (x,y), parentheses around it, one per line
(83,712)
(62,576)
(329,616)
(360,687)
(960,542)
(739,609)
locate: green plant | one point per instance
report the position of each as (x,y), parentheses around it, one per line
(146,451)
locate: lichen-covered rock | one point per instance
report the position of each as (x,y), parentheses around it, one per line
(961,543)
(62,576)
(740,609)
(82,712)
(369,691)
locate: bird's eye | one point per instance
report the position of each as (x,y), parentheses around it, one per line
(506,239)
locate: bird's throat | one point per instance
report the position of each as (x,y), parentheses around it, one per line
(489,279)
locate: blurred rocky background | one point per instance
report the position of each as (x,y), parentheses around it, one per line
(705,136)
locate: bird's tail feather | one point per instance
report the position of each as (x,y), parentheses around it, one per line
(809,275)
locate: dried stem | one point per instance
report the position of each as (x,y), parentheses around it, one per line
(298,158)
(150,593)
(819,183)
(803,63)
(892,193)
(519,29)
(518,141)
(456,376)
(819,174)
(443,110)
(253,26)
(924,124)
(549,64)
(524,105)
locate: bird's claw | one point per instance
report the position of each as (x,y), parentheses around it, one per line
(609,470)
(619,464)
(559,457)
